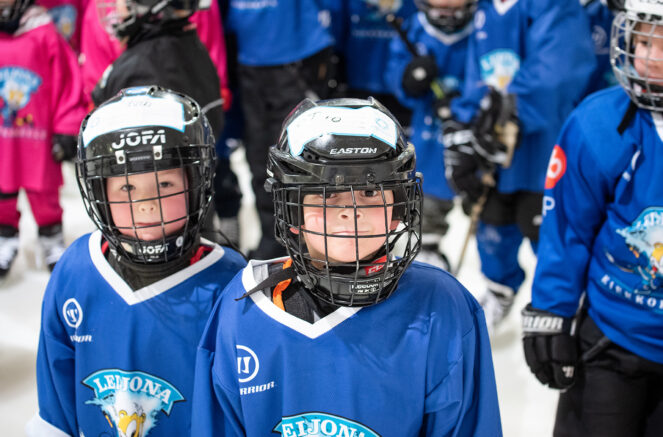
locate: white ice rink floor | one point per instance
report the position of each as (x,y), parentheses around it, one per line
(527,408)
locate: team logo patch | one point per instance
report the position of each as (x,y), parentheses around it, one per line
(16,87)
(556,167)
(499,67)
(64,17)
(321,425)
(131,401)
(644,239)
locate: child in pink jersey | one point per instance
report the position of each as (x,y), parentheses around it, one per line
(41,108)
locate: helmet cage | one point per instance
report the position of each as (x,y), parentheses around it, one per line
(448,20)
(192,150)
(317,169)
(644,91)
(364,281)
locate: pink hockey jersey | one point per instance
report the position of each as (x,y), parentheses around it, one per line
(99,49)
(67,15)
(41,93)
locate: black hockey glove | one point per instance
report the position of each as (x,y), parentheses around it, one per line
(551,348)
(461,163)
(418,75)
(496,128)
(64,147)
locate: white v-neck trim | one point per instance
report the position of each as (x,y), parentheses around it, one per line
(141,295)
(658,123)
(311,330)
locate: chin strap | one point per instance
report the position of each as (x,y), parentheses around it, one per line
(281,279)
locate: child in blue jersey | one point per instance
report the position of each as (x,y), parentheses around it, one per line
(528,64)
(601,238)
(284,54)
(125,306)
(363,37)
(425,82)
(344,337)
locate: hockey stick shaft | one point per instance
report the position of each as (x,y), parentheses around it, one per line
(477,208)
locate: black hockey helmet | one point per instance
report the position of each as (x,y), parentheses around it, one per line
(13,12)
(345,145)
(127,20)
(646,92)
(146,130)
(448,20)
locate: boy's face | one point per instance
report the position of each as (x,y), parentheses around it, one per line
(649,52)
(147,215)
(342,245)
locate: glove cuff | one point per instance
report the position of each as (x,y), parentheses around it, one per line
(540,322)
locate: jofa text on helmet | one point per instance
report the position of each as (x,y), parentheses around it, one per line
(353,150)
(145,137)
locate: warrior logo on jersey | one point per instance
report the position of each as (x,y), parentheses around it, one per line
(64,18)
(16,87)
(317,424)
(131,401)
(644,239)
(499,67)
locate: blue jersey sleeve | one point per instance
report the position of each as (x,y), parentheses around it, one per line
(574,208)
(55,369)
(559,62)
(472,380)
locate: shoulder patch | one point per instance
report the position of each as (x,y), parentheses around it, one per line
(556,167)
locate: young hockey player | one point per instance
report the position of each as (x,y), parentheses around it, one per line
(41,108)
(529,61)
(440,32)
(150,30)
(601,238)
(284,52)
(126,305)
(344,337)
(364,40)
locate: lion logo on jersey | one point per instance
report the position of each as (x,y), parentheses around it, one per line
(644,239)
(16,87)
(131,401)
(64,17)
(316,424)
(499,67)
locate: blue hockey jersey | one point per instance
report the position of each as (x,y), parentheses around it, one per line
(277,32)
(602,230)
(416,364)
(450,52)
(541,51)
(367,39)
(117,362)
